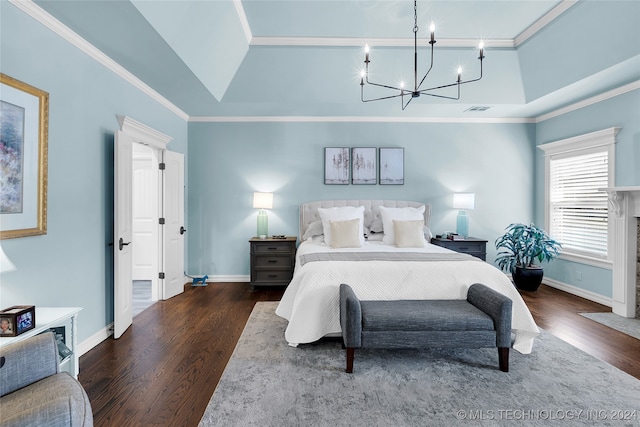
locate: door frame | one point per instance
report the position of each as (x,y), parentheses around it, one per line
(157,141)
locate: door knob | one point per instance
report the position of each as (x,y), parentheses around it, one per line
(182,230)
(122,244)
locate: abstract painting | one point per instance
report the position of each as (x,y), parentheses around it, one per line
(364,168)
(336,165)
(392,166)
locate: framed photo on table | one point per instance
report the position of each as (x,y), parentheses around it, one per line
(24,123)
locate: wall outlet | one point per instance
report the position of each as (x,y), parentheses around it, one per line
(578,275)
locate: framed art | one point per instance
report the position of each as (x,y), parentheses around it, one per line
(364,165)
(24,121)
(336,165)
(392,166)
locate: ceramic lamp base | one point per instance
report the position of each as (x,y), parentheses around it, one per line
(263,224)
(462,224)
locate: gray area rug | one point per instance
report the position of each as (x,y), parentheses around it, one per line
(268,383)
(625,325)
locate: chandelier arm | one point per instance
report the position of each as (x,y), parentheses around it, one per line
(405,105)
(380,85)
(429,70)
(376,99)
(443,96)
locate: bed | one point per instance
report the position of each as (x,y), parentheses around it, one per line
(378,269)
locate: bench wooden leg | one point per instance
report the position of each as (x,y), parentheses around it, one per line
(503,358)
(350,353)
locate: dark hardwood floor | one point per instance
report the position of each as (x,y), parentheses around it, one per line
(164,369)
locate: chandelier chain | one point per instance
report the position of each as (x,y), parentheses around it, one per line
(415,16)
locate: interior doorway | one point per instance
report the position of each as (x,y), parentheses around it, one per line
(168,216)
(146,234)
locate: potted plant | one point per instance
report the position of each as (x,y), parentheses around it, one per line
(519,248)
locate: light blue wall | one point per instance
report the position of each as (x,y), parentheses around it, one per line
(72,265)
(622,111)
(589,37)
(229,161)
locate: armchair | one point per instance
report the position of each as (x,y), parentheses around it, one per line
(33,391)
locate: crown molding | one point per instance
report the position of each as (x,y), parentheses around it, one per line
(590,101)
(352,119)
(243,20)
(46,19)
(543,22)
(379,42)
(143,133)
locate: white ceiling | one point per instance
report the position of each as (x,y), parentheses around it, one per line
(285,57)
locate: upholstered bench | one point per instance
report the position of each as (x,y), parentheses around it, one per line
(482,320)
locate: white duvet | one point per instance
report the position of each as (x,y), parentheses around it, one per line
(311,302)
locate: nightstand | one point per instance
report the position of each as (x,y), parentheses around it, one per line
(470,245)
(272,261)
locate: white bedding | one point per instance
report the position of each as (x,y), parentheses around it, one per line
(311,301)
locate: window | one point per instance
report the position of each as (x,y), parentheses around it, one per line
(576,211)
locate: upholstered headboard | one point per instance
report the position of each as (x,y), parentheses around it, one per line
(309,211)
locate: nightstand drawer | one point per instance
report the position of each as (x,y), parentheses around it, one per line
(262,261)
(272,247)
(467,247)
(273,276)
(470,245)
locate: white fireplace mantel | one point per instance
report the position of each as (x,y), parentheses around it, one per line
(624,205)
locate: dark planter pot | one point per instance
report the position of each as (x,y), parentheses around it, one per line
(528,278)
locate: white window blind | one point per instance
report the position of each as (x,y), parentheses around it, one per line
(578,211)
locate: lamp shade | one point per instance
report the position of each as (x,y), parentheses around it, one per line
(5,263)
(263,200)
(464,200)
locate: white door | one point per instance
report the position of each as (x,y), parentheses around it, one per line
(173,230)
(146,211)
(122,233)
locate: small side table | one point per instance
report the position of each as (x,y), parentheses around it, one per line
(470,245)
(51,317)
(272,261)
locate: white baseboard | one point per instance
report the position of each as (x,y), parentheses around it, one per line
(245,278)
(583,293)
(95,339)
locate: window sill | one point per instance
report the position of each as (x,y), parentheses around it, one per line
(583,259)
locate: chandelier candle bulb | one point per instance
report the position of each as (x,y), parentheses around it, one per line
(432,29)
(366,53)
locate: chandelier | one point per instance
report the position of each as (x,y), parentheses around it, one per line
(417,91)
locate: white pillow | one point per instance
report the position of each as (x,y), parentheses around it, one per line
(427,233)
(314,229)
(345,234)
(375,237)
(409,234)
(341,214)
(400,214)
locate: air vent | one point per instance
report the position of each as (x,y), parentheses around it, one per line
(477,108)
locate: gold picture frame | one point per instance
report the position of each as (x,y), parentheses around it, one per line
(24,129)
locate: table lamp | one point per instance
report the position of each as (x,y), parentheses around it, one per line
(463,201)
(263,201)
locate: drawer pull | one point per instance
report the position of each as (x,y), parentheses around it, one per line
(272,261)
(273,248)
(273,275)
(464,248)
